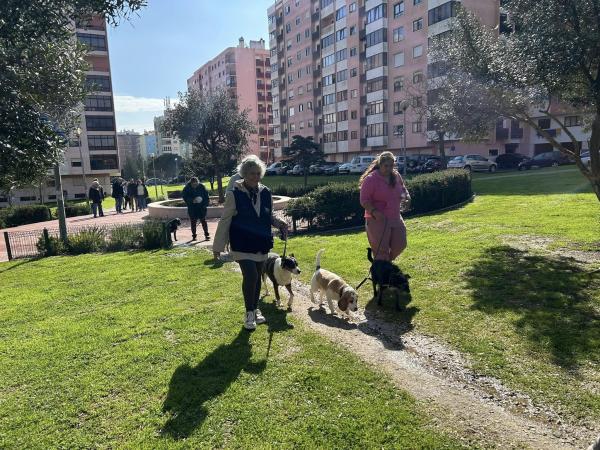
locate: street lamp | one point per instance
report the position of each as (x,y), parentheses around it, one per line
(403,106)
(78,132)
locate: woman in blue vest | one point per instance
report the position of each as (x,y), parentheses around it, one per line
(246,225)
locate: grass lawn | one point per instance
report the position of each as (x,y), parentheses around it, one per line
(527,317)
(146,350)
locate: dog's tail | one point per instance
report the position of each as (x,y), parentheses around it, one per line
(370,254)
(318,261)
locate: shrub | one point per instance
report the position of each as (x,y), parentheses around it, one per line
(290,190)
(90,240)
(23,215)
(174,194)
(77,209)
(52,246)
(155,235)
(125,237)
(338,205)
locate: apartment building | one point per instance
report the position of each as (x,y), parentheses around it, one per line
(148,144)
(168,143)
(129,143)
(93,153)
(246,71)
(343,71)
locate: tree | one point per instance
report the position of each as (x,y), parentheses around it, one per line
(546,62)
(212,122)
(199,165)
(304,152)
(42,80)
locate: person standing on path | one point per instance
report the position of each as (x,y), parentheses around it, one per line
(96,196)
(383,195)
(246,224)
(195,197)
(118,193)
(132,194)
(141,194)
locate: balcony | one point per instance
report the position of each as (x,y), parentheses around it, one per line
(279,21)
(281,71)
(501,134)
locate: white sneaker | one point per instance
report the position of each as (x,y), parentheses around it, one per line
(250,323)
(259,317)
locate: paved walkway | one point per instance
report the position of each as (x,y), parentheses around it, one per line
(184,234)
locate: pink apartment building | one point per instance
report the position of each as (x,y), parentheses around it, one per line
(342,68)
(246,71)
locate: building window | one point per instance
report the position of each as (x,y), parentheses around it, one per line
(352,7)
(544,124)
(309,106)
(329,118)
(399,59)
(327,41)
(292,127)
(98,83)
(377,60)
(329,99)
(573,121)
(417,51)
(417,127)
(302,125)
(298,37)
(329,137)
(75,163)
(376,13)
(329,60)
(307,33)
(94,42)
(418,77)
(301,107)
(340,34)
(288,27)
(104,162)
(353,72)
(417,101)
(342,135)
(310,124)
(342,116)
(377,107)
(353,115)
(436,69)
(417,2)
(298,20)
(353,93)
(418,24)
(101,142)
(376,37)
(399,34)
(301,90)
(291,111)
(377,129)
(352,30)
(399,130)
(342,96)
(353,135)
(493,152)
(98,103)
(342,75)
(352,52)
(341,55)
(100,123)
(375,85)
(340,13)
(398,108)
(398,9)
(443,12)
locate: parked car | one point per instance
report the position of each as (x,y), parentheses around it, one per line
(297,170)
(433,164)
(585,159)
(416,161)
(510,160)
(360,163)
(344,168)
(547,159)
(278,168)
(472,163)
(332,168)
(155,182)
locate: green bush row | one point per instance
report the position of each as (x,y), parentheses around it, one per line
(291,190)
(338,205)
(23,215)
(151,235)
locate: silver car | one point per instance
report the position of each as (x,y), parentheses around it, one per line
(472,163)
(585,159)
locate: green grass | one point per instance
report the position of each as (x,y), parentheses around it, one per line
(146,350)
(522,315)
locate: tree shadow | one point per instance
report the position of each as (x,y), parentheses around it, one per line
(191,388)
(551,297)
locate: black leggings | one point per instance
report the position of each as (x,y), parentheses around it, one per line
(251,282)
(194,222)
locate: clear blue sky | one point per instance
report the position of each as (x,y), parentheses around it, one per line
(153,54)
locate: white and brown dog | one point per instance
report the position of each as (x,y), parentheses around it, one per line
(334,288)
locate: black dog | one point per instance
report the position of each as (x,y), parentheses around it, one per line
(384,275)
(280,270)
(172,226)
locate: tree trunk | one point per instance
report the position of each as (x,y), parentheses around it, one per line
(594,171)
(441,148)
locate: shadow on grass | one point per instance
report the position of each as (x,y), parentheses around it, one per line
(551,298)
(20,263)
(191,388)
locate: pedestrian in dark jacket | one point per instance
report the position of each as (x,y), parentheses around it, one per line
(195,196)
(118,193)
(96,196)
(131,193)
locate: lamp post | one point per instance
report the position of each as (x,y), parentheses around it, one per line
(404,105)
(78,132)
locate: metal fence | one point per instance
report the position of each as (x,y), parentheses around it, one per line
(24,244)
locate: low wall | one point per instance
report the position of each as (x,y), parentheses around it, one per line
(162,210)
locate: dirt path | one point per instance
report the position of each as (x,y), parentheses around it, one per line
(477,409)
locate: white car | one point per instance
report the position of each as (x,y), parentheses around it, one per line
(360,163)
(472,163)
(344,168)
(585,159)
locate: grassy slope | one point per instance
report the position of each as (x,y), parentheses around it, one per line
(529,319)
(146,350)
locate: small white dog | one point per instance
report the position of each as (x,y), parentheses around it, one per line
(334,288)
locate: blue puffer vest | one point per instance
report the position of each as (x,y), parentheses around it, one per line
(249,232)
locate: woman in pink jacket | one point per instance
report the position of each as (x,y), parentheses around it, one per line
(384,195)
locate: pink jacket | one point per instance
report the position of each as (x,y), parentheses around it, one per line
(381,195)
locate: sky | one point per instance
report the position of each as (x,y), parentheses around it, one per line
(154,53)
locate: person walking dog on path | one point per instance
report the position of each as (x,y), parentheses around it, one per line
(383,195)
(246,224)
(195,197)
(118,193)
(96,195)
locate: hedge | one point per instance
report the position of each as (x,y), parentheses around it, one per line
(338,205)
(23,215)
(77,209)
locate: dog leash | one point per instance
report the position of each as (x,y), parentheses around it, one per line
(385,223)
